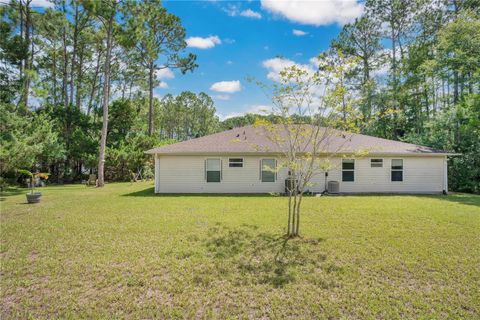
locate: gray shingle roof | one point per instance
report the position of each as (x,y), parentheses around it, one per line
(250,139)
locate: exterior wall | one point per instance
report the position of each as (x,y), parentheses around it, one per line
(186,174)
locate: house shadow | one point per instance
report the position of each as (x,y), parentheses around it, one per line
(252,257)
(150,192)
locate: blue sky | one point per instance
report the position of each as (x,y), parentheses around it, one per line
(233,40)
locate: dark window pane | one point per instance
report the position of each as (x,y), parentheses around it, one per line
(235,162)
(376,163)
(213,176)
(348,165)
(397,175)
(268,176)
(235,165)
(348,176)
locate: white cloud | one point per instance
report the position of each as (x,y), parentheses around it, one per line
(223,117)
(157,95)
(234,10)
(41,3)
(229,62)
(251,14)
(276,65)
(163,85)
(299,33)
(226,86)
(203,43)
(260,109)
(165,73)
(316,13)
(255,109)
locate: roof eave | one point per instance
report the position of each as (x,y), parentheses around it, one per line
(252,153)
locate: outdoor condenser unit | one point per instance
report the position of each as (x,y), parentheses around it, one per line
(333,187)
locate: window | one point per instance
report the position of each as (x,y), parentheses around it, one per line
(376,163)
(235,163)
(266,167)
(213,170)
(348,170)
(397,170)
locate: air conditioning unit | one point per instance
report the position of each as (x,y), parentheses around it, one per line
(333,187)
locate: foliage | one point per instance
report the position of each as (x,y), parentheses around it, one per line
(33,177)
(187,116)
(27,141)
(321,98)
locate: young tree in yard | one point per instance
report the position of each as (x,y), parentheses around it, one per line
(157,34)
(305,128)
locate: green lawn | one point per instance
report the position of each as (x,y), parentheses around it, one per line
(122,252)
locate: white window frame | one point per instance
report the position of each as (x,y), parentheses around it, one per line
(396,170)
(349,170)
(377,162)
(243,161)
(206,170)
(261,170)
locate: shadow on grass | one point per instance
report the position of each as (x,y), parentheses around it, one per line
(150,192)
(260,258)
(460,198)
(8,192)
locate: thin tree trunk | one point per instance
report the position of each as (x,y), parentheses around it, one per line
(27,62)
(94,84)
(65,70)
(150,100)
(106,92)
(54,74)
(297,227)
(78,93)
(74,53)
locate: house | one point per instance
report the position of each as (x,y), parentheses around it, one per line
(237,161)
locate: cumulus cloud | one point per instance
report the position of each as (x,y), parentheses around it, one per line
(165,73)
(299,33)
(276,65)
(41,3)
(226,86)
(251,14)
(234,10)
(255,109)
(163,85)
(315,13)
(203,43)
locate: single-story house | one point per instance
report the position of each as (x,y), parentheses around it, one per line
(237,161)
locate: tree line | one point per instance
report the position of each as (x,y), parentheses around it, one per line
(77,87)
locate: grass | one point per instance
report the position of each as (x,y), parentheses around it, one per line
(121,252)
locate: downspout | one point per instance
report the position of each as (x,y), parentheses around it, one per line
(445,176)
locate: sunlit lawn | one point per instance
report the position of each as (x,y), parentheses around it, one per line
(121,252)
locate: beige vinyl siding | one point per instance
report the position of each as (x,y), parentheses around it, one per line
(186,174)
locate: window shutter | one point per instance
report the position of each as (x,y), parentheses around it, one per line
(276,170)
(221,169)
(205,169)
(260,170)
